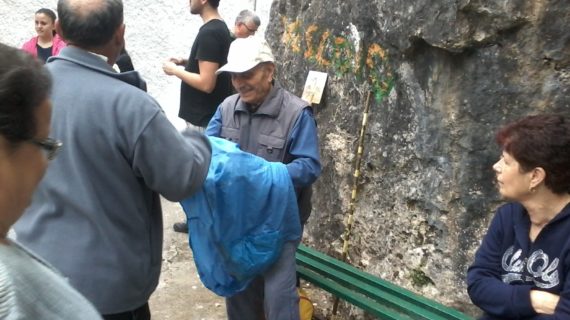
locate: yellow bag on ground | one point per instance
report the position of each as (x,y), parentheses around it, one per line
(305,305)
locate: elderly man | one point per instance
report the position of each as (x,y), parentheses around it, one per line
(247,23)
(266,120)
(96,215)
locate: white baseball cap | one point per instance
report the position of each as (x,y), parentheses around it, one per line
(246,53)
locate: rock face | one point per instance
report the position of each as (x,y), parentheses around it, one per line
(444,76)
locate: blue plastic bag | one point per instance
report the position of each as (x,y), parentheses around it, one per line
(240,219)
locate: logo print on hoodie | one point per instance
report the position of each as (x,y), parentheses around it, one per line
(542,272)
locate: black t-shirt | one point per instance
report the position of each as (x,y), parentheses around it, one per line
(212,44)
(124,62)
(43,53)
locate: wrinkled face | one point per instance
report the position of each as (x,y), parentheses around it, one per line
(255,84)
(245,29)
(513,183)
(44,25)
(22,166)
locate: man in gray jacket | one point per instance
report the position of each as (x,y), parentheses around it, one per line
(266,120)
(96,215)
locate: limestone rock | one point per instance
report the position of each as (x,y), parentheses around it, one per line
(444,76)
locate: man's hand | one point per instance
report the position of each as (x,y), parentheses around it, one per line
(178,61)
(543,302)
(169,68)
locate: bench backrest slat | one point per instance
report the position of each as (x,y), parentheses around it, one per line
(314,266)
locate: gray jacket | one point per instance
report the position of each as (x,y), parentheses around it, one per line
(96,215)
(268,133)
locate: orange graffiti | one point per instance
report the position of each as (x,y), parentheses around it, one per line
(322,45)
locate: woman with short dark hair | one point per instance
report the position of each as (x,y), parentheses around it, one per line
(47,43)
(29,287)
(522,269)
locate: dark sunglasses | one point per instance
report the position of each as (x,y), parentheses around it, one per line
(49,146)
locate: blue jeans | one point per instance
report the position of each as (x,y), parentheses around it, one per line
(271,296)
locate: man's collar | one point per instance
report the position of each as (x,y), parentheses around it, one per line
(98,63)
(104,58)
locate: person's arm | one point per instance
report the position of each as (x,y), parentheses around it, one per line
(178,61)
(544,302)
(551,306)
(304,148)
(484,284)
(170,163)
(214,128)
(210,56)
(204,81)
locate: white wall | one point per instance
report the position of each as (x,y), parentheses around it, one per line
(156,30)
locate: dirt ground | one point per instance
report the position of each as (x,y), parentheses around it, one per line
(181,296)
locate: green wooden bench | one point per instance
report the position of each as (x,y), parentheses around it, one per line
(372,294)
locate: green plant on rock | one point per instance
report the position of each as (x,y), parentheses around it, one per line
(419,278)
(338,54)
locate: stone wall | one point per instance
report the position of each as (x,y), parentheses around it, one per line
(444,76)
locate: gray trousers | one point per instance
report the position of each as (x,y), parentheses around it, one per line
(271,296)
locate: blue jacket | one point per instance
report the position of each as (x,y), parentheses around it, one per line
(239,221)
(508,265)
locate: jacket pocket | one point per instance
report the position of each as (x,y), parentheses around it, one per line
(271,148)
(230,134)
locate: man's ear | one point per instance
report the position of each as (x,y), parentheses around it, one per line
(270,70)
(58,29)
(120,35)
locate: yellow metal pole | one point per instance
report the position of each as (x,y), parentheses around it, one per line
(350,217)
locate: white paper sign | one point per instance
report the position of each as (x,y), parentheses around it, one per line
(314,87)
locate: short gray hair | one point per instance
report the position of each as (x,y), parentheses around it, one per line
(246,15)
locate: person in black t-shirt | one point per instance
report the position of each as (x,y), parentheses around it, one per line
(124,62)
(201,91)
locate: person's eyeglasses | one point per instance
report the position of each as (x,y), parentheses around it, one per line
(49,146)
(252,31)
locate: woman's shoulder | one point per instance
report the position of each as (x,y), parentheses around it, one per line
(512,207)
(28,288)
(10,263)
(30,45)
(58,44)
(510,212)
(58,39)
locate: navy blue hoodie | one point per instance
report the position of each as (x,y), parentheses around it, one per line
(508,265)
